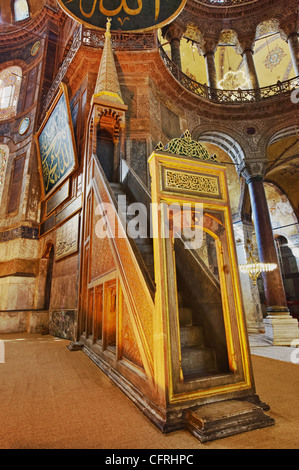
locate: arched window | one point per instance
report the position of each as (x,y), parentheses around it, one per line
(4,151)
(21,10)
(10,82)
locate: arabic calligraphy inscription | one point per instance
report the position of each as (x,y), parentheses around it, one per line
(56,147)
(127,15)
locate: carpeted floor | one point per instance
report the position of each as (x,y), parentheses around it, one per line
(52,398)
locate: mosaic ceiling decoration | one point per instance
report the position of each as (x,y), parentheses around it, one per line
(274,57)
(267,27)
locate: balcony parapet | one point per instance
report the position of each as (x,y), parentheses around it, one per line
(231,97)
(119,39)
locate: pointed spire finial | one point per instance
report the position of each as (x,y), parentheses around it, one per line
(107,86)
(108,27)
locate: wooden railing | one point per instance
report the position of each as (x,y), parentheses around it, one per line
(228,96)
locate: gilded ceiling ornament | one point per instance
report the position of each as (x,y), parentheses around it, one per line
(274,57)
(228,37)
(267,27)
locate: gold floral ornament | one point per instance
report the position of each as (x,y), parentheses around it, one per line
(190,148)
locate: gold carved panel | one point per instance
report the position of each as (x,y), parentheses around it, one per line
(194,183)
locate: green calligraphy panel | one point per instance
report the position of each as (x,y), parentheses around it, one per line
(126,15)
(55,141)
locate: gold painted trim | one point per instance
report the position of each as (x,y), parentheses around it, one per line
(235,330)
(236,284)
(108,93)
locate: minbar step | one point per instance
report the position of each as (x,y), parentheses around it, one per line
(225,418)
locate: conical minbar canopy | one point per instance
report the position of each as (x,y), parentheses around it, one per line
(107,86)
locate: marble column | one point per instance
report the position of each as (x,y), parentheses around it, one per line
(250,68)
(280,327)
(173,34)
(293,43)
(175,47)
(211,69)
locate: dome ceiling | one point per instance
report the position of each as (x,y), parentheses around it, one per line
(28,9)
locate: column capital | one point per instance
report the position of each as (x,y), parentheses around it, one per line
(209,46)
(174,31)
(252,170)
(245,43)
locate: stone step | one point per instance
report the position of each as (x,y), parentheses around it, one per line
(198,360)
(115,186)
(225,418)
(191,336)
(185,316)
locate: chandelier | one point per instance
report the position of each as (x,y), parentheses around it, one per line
(253,267)
(233,80)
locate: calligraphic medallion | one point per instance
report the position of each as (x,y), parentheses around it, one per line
(35,48)
(126,15)
(24,126)
(56,144)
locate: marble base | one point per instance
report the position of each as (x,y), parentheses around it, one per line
(32,321)
(223,419)
(281,330)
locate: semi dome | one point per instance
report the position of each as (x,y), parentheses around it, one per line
(21,11)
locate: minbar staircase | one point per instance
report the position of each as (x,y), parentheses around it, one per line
(196,359)
(144,245)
